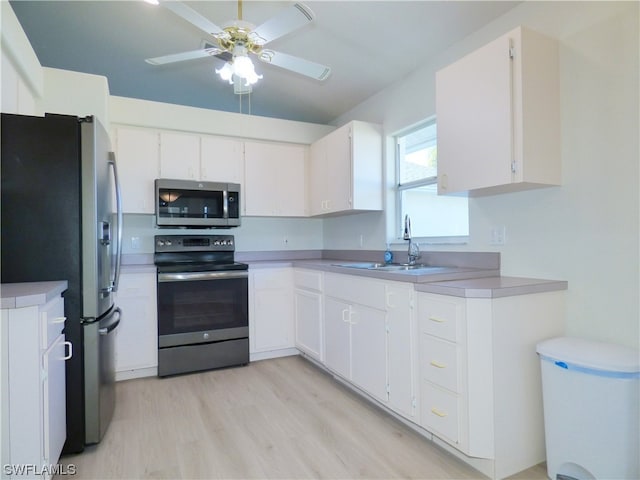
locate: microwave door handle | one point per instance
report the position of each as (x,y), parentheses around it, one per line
(119,215)
(225,203)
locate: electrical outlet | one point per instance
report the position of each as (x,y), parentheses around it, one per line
(135,243)
(498,235)
(285,240)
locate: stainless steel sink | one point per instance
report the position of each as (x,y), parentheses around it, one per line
(362,265)
(386,266)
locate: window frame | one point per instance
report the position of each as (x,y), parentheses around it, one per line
(398,188)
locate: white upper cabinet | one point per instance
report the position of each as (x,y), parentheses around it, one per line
(275,178)
(137,156)
(187,156)
(179,156)
(346,170)
(221,160)
(498,114)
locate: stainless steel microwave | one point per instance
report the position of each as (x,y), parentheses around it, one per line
(193,204)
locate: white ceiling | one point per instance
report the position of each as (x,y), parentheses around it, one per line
(368,45)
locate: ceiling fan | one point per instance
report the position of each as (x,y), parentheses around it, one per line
(238,38)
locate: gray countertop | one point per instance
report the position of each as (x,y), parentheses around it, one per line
(492,287)
(413,276)
(477,278)
(28,294)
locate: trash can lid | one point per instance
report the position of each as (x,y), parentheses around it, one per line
(591,354)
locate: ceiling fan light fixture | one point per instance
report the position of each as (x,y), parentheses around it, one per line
(240,67)
(226,72)
(243,66)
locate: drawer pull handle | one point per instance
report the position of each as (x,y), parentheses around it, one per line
(70,354)
(438,364)
(59,320)
(438,412)
(437,320)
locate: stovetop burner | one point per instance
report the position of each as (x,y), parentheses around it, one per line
(195,253)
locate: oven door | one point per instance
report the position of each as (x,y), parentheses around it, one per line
(202,307)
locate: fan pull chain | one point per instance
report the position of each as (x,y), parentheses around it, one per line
(239,9)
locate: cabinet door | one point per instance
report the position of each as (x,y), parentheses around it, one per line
(474,109)
(137,334)
(339,169)
(308,317)
(272,323)
(318,178)
(337,336)
(54,401)
(179,156)
(402,350)
(137,154)
(221,160)
(53,320)
(275,179)
(368,350)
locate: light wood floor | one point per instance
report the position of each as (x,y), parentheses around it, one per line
(277,419)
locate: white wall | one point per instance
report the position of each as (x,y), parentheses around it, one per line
(255,234)
(145,113)
(20,71)
(587,231)
(75,93)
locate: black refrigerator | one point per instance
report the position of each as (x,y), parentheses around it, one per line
(61,219)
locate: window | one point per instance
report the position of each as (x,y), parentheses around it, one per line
(435,217)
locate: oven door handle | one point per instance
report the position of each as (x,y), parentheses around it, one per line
(194,276)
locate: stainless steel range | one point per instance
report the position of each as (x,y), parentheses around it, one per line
(203,318)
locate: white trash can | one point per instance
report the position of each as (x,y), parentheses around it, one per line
(591,397)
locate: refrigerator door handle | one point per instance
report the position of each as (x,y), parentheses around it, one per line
(119,215)
(113,326)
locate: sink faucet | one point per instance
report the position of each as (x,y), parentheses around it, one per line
(413,252)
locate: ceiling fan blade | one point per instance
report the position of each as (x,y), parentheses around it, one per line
(180,57)
(285,21)
(193,17)
(295,64)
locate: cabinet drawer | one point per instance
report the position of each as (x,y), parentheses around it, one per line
(439,362)
(52,318)
(360,290)
(440,411)
(271,278)
(309,280)
(440,318)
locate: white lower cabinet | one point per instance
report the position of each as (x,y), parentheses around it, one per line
(356,344)
(366,325)
(137,335)
(271,324)
(36,356)
(309,314)
(368,350)
(401,349)
(480,385)
(337,335)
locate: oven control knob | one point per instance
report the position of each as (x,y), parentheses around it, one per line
(205,336)
(169,243)
(160,243)
(216,242)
